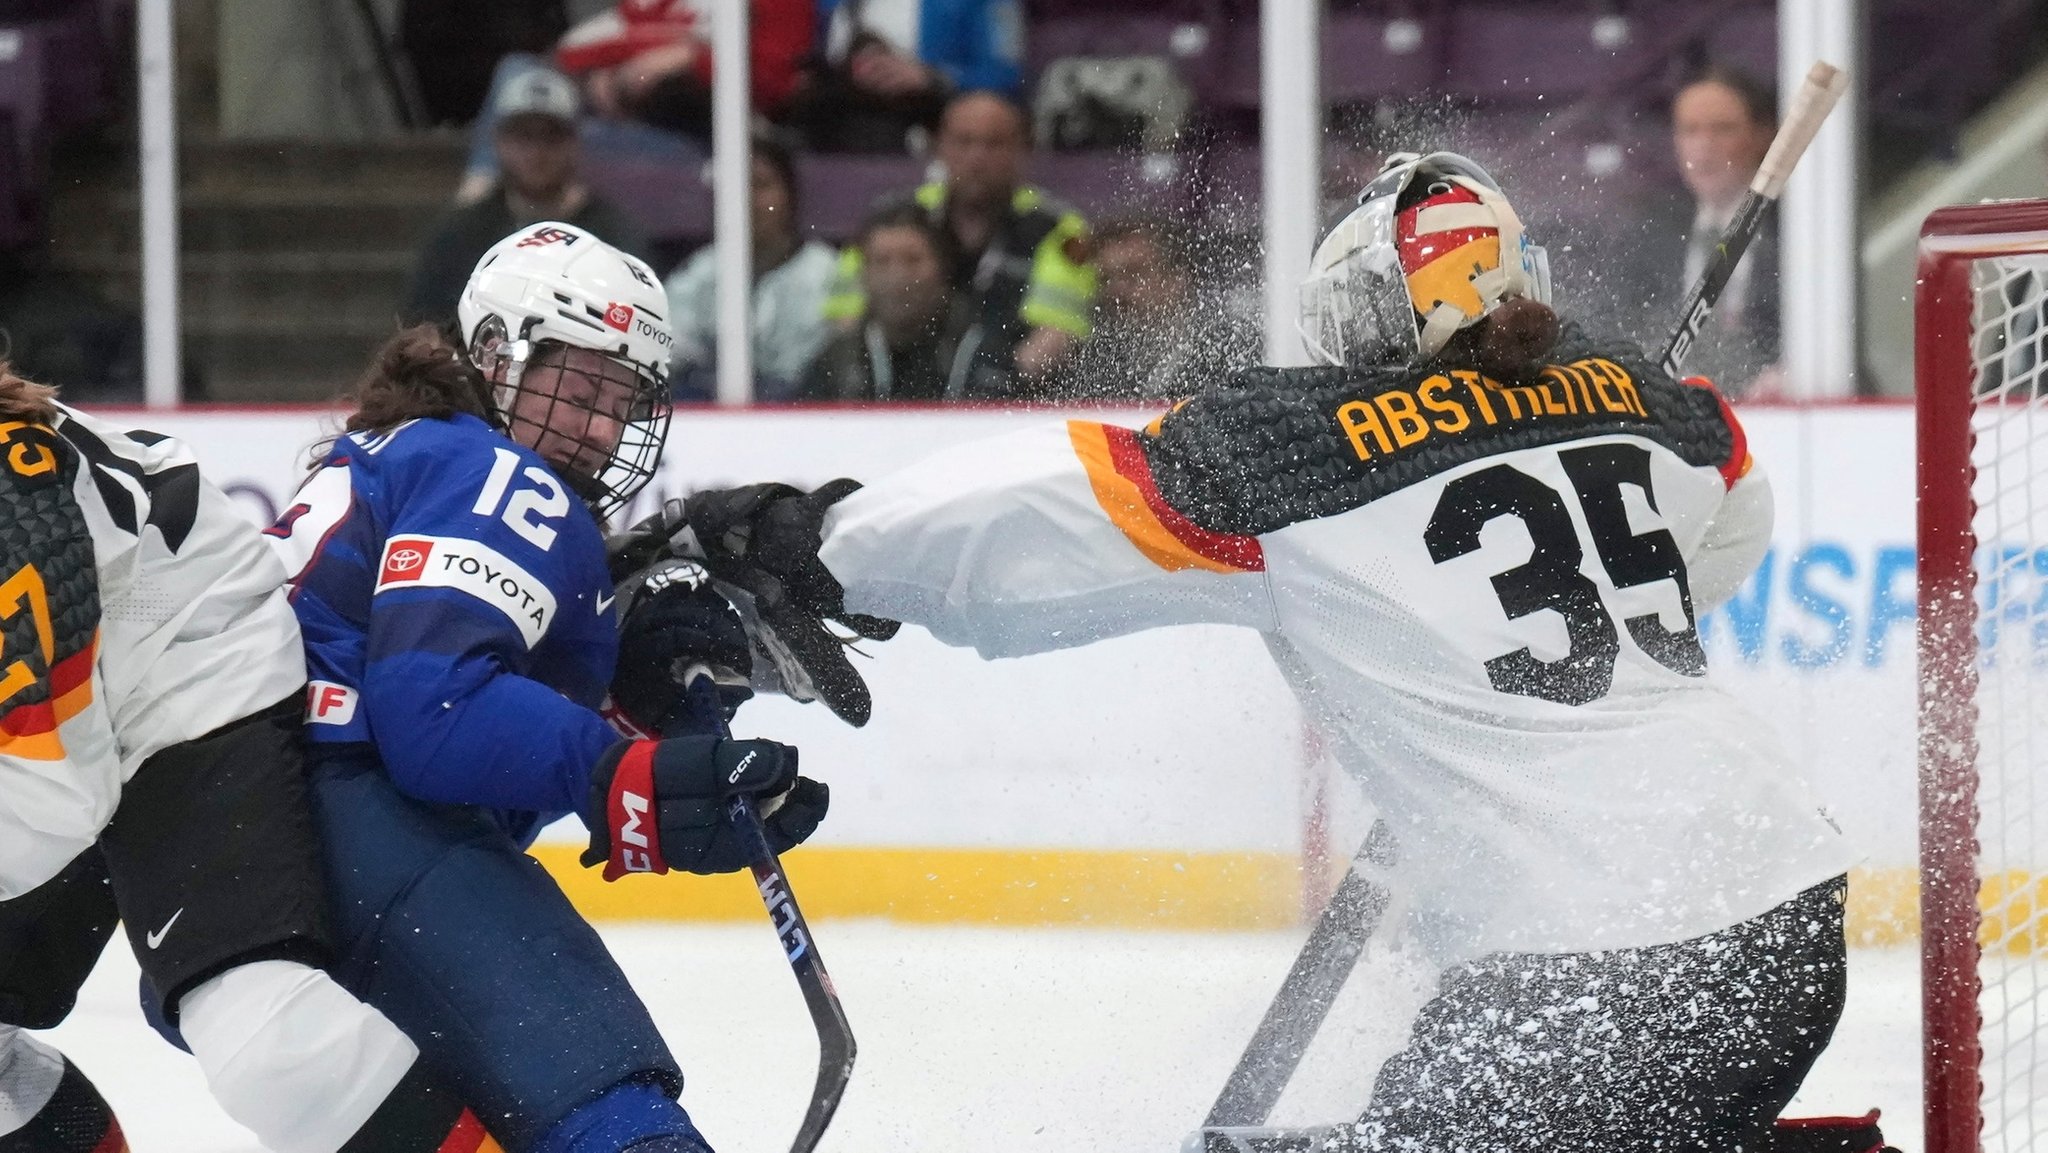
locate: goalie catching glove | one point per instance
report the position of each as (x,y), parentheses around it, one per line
(658,805)
(760,543)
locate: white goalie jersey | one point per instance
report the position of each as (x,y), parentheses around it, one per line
(1484,594)
(139,610)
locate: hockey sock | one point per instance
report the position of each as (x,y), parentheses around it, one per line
(47,1105)
(305,1066)
(420,1116)
(634,1115)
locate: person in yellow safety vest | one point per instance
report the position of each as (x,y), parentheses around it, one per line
(1024,256)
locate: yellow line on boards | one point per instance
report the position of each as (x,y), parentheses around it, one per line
(1108,888)
(1140,889)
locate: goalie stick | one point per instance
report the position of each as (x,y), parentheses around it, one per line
(835,1037)
(1347,922)
(1354,911)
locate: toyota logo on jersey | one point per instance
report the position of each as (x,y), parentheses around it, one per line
(619,316)
(404,560)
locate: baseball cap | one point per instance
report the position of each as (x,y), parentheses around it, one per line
(541,92)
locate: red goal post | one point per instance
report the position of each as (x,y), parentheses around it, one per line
(1981,382)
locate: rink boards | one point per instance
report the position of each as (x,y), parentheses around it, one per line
(1165,779)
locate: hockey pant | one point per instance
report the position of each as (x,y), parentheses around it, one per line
(446,925)
(210,863)
(1694,1045)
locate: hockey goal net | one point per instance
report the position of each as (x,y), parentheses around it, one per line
(1981,353)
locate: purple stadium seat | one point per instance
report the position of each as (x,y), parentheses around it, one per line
(1366,56)
(17,199)
(1191,33)
(1109,184)
(1747,40)
(23,92)
(1502,52)
(77,56)
(838,190)
(665,193)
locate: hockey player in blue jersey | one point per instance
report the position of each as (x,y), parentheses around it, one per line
(451,583)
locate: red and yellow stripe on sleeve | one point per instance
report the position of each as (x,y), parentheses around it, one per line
(1739,461)
(1129,496)
(30,731)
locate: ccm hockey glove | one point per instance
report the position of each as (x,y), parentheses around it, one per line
(658,805)
(671,619)
(760,543)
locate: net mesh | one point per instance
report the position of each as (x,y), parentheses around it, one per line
(2010,454)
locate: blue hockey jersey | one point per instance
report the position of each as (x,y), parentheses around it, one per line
(457,616)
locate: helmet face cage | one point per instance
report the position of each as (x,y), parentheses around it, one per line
(1355,304)
(600,423)
(1357,310)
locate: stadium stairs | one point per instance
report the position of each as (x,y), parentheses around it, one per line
(295,253)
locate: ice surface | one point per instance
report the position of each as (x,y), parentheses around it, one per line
(1080,1041)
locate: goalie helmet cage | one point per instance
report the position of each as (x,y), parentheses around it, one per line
(1981,379)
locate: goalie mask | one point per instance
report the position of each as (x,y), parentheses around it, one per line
(574,337)
(1433,247)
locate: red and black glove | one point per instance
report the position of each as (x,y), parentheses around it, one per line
(658,805)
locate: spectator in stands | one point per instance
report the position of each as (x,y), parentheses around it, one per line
(1021,257)
(917,338)
(792,277)
(644,63)
(1721,124)
(887,69)
(1157,334)
(538,156)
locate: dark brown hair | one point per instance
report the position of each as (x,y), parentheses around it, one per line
(1758,99)
(1510,344)
(23,399)
(907,214)
(418,373)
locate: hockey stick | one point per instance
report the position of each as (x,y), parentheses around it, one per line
(1824,85)
(835,1037)
(1340,934)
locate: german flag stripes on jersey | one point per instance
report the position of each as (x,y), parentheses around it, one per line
(138,610)
(1484,592)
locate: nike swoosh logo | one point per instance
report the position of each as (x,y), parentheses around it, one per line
(157,938)
(605,602)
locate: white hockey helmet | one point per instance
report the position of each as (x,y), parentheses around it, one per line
(557,286)
(1433,247)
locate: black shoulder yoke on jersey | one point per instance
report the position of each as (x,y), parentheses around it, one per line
(1274,446)
(49,587)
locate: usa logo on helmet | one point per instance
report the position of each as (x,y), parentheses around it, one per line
(542,237)
(619,316)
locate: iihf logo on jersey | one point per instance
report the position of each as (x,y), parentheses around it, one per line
(404,560)
(619,316)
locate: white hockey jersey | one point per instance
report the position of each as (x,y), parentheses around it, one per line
(138,609)
(1483,594)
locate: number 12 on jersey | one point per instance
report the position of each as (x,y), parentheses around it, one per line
(528,507)
(1550,578)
